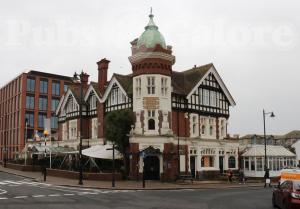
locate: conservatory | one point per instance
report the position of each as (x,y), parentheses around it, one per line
(278,158)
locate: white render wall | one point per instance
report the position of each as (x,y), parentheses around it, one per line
(164,103)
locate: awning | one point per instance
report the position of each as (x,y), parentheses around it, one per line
(100,151)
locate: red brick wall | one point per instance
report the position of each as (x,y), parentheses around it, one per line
(133,169)
(100,110)
(184,124)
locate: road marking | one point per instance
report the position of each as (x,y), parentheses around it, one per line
(2,191)
(41,195)
(20,197)
(3,198)
(69,194)
(85,193)
(54,195)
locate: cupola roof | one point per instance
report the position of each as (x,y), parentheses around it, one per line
(151,36)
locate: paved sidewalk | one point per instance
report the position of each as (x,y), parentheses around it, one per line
(130,185)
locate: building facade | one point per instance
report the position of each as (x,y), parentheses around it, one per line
(30,97)
(181,118)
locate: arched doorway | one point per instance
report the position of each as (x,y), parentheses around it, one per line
(151,168)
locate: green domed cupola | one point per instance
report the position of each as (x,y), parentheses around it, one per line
(151,36)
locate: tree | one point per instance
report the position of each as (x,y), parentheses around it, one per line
(117,125)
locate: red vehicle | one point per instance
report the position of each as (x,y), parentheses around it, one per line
(287,195)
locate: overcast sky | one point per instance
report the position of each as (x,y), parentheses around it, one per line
(254,45)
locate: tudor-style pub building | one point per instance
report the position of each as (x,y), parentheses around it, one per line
(188,107)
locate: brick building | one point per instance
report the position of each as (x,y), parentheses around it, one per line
(33,95)
(190,107)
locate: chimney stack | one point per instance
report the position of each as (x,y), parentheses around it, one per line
(102,74)
(84,78)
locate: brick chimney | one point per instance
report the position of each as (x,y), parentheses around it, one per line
(84,78)
(102,74)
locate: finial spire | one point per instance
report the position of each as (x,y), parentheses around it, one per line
(150,10)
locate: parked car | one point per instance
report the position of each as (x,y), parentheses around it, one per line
(287,195)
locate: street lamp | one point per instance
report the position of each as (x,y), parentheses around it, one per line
(25,140)
(114,168)
(264,119)
(178,154)
(76,78)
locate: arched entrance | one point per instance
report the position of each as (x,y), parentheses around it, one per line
(151,168)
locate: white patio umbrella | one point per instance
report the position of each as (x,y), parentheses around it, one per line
(100,151)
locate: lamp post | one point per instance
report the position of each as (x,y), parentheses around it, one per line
(178,154)
(5,142)
(76,77)
(265,138)
(113,171)
(25,140)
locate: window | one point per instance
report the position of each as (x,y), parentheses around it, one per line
(55,88)
(164,86)
(94,128)
(203,130)
(30,119)
(252,164)
(151,85)
(43,103)
(41,118)
(206,97)
(231,162)
(207,161)
(30,85)
(259,165)
(93,102)
(151,121)
(54,122)
(246,163)
(66,86)
(43,87)
(138,87)
(54,104)
(114,96)
(194,120)
(73,129)
(211,130)
(29,102)
(213,101)
(64,131)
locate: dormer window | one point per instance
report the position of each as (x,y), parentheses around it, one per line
(151,85)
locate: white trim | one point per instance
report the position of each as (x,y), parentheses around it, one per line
(69,92)
(108,89)
(220,82)
(59,104)
(90,89)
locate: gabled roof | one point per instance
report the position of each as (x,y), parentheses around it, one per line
(259,150)
(96,88)
(293,135)
(125,81)
(184,82)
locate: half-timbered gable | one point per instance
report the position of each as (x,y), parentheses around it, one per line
(92,99)
(69,106)
(116,97)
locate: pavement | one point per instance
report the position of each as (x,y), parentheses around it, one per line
(129,185)
(17,192)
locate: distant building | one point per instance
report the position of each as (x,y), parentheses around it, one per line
(33,96)
(285,140)
(191,106)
